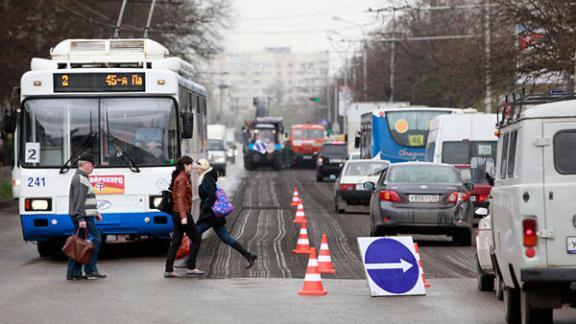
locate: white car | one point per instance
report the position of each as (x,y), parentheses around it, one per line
(349,187)
(485,272)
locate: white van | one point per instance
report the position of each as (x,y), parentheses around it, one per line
(533,210)
(456,138)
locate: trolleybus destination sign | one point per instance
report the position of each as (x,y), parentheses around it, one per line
(99,82)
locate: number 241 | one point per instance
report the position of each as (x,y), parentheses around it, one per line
(36,182)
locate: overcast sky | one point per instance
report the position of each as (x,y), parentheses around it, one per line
(303,25)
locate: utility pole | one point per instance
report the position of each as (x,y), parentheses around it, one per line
(392,55)
(488,99)
(365,72)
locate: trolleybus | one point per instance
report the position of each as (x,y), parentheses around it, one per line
(127,102)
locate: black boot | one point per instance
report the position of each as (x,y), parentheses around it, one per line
(251,257)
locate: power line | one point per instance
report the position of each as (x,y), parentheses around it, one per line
(310,14)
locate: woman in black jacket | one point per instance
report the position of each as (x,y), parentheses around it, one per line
(208,178)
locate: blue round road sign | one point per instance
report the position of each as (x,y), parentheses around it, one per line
(392,266)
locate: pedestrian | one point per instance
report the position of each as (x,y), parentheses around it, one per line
(82,209)
(182,219)
(208,180)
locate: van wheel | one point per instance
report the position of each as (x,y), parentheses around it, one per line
(223,172)
(319,177)
(485,282)
(532,315)
(512,301)
(337,208)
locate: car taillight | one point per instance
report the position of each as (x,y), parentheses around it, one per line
(346,186)
(389,195)
(529,232)
(481,198)
(457,196)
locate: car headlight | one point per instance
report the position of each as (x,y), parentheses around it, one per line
(38,204)
(155,201)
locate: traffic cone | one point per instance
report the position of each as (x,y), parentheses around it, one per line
(296,198)
(421,266)
(324,261)
(300,216)
(303,244)
(313,279)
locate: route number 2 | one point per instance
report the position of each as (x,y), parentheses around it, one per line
(32,153)
(36,182)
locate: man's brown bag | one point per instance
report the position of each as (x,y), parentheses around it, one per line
(77,248)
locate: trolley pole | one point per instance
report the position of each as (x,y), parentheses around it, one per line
(149,21)
(116,32)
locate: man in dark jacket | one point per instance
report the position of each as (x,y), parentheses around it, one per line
(82,209)
(208,179)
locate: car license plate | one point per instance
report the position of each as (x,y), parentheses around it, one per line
(336,161)
(307,157)
(571,245)
(424,198)
(360,186)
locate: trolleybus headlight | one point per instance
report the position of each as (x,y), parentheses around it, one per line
(16,182)
(38,204)
(155,201)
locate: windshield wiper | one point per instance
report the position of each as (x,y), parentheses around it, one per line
(83,148)
(126,158)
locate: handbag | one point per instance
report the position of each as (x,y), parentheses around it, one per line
(222,206)
(166,203)
(78,248)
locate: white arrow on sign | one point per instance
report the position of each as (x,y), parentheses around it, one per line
(405,266)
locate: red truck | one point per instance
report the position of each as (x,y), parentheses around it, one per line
(305,141)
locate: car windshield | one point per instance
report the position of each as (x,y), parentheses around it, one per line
(365,169)
(215,145)
(55,129)
(264,134)
(423,174)
(334,151)
(410,128)
(300,133)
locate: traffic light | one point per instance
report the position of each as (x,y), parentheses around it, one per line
(315,99)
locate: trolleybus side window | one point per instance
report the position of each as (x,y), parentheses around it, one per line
(54,129)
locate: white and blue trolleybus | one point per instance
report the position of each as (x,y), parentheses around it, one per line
(125,101)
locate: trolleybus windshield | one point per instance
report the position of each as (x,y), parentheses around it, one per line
(143,128)
(410,128)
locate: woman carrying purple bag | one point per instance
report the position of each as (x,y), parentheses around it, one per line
(208,180)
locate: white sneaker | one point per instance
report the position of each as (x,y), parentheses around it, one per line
(195,272)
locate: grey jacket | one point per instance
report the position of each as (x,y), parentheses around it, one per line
(82,199)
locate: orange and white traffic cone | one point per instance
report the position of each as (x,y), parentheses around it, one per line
(313,279)
(296,198)
(300,216)
(421,266)
(324,261)
(303,244)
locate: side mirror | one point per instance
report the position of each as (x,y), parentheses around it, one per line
(187,125)
(9,123)
(469,186)
(357,142)
(481,211)
(369,186)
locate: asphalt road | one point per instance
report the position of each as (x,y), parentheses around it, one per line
(34,289)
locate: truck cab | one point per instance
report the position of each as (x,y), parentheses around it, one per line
(265,144)
(305,141)
(533,207)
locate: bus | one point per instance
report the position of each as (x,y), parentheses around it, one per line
(397,134)
(125,101)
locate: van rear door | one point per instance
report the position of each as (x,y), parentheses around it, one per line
(559,144)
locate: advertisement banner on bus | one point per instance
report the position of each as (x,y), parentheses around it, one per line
(108,184)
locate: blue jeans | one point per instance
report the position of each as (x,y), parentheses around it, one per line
(220,230)
(75,268)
